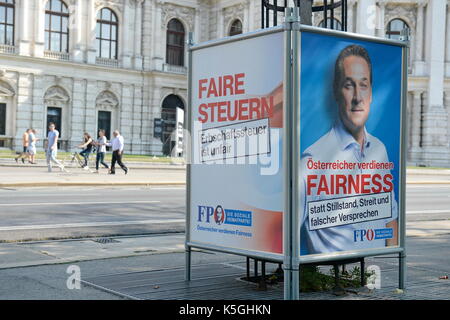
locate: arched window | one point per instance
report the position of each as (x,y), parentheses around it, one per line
(7,22)
(331,24)
(56,26)
(107,32)
(236,27)
(175,43)
(395,28)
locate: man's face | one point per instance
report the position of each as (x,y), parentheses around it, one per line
(219,213)
(355,93)
(52,127)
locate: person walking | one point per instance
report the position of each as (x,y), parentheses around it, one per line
(117,145)
(25,142)
(101,150)
(52,148)
(32,146)
(87,145)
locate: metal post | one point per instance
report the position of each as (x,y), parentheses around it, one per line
(187,275)
(248,268)
(287,241)
(405,36)
(188,128)
(290,154)
(363,273)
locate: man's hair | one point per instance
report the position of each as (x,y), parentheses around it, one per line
(101,130)
(51,124)
(352,50)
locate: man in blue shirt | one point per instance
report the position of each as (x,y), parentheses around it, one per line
(346,169)
(52,148)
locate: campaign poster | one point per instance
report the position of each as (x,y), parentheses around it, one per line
(237,185)
(349,144)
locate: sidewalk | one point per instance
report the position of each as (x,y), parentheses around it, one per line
(39,177)
(151,267)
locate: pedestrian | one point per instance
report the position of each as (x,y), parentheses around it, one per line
(87,146)
(52,148)
(117,145)
(101,150)
(25,142)
(32,146)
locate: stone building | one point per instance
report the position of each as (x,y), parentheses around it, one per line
(90,64)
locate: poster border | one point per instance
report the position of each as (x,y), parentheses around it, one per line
(359,253)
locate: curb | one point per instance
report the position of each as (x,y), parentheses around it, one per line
(90,184)
(148,167)
(428,182)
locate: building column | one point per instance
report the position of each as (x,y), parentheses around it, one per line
(366,17)
(159,32)
(381,23)
(126,41)
(39,32)
(447,65)
(416,119)
(350,10)
(25,32)
(419,31)
(435,141)
(138,36)
(76,27)
(90,32)
(147,35)
(448,36)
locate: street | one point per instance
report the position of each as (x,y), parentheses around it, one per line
(74,212)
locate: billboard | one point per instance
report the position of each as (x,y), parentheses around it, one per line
(350,143)
(236,182)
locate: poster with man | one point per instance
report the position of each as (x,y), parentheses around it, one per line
(349,144)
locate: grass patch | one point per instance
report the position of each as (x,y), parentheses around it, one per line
(434,168)
(9,154)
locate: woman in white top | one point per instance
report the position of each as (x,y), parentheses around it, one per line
(101,150)
(32,145)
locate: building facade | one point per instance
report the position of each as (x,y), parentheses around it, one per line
(121,64)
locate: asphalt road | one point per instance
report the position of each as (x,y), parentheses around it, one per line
(54,213)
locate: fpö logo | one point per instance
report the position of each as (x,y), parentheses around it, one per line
(220,216)
(362,235)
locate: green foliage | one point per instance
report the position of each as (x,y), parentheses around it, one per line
(313,280)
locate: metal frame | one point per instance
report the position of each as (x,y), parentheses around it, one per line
(291,229)
(276,6)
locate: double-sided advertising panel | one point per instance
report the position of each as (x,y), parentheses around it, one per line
(237,186)
(346,152)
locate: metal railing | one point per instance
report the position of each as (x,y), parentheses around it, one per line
(271,9)
(174,69)
(107,62)
(55,55)
(5,48)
